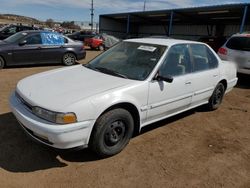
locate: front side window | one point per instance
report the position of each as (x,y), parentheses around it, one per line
(34,39)
(203,58)
(130,60)
(177,61)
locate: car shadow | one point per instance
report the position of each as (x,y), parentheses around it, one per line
(169,120)
(21,154)
(243,81)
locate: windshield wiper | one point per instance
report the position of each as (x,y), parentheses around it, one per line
(105,70)
(111,72)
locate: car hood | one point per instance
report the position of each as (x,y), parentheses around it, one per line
(57,89)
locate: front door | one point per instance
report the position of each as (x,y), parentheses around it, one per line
(30,52)
(169,98)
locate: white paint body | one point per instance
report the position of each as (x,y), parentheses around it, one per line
(88,94)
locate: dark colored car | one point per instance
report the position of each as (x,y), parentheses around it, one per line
(39,47)
(9,30)
(81,35)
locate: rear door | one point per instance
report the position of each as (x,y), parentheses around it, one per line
(30,52)
(205,74)
(53,47)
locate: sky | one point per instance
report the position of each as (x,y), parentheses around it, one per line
(79,10)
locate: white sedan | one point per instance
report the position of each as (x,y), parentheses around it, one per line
(103,103)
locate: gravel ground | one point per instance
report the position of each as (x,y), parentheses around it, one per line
(194,149)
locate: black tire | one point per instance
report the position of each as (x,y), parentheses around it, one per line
(101,47)
(69,59)
(2,62)
(112,132)
(217,97)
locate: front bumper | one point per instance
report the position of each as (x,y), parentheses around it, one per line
(54,135)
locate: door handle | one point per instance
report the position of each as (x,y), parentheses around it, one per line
(188,83)
(215,75)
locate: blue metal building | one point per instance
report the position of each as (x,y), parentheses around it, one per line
(186,23)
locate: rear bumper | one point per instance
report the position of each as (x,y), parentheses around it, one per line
(54,135)
(231,84)
(243,71)
(80,56)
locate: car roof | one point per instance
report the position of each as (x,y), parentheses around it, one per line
(245,34)
(38,31)
(162,41)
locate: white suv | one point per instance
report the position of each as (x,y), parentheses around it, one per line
(237,49)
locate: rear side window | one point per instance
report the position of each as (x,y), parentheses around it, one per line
(239,43)
(52,38)
(203,58)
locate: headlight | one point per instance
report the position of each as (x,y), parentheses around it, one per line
(55,117)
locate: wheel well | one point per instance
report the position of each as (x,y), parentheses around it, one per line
(70,52)
(132,110)
(224,82)
(4,61)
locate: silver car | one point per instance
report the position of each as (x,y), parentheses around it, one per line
(237,49)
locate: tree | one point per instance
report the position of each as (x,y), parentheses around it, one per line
(50,22)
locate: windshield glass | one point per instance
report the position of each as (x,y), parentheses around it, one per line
(130,60)
(16,37)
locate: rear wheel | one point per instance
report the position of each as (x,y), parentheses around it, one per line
(2,62)
(112,132)
(217,96)
(69,59)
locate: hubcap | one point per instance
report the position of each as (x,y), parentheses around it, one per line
(115,133)
(69,59)
(218,96)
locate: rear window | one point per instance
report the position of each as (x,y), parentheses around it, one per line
(239,43)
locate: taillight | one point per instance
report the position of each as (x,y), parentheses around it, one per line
(223,51)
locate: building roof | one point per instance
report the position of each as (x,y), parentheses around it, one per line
(227,13)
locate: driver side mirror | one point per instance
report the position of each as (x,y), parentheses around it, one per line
(22,43)
(165,78)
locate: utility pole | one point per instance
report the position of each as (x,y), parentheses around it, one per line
(92,14)
(144,6)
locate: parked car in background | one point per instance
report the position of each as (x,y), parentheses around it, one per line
(81,35)
(137,82)
(39,47)
(95,42)
(9,30)
(237,49)
(214,42)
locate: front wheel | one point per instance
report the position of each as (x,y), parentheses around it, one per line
(112,132)
(217,96)
(69,59)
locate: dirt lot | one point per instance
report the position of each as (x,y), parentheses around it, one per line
(194,149)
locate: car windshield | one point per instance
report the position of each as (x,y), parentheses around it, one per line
(239,43)
(15,38)
(130,60)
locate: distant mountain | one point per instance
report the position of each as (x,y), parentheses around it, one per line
(20,19)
